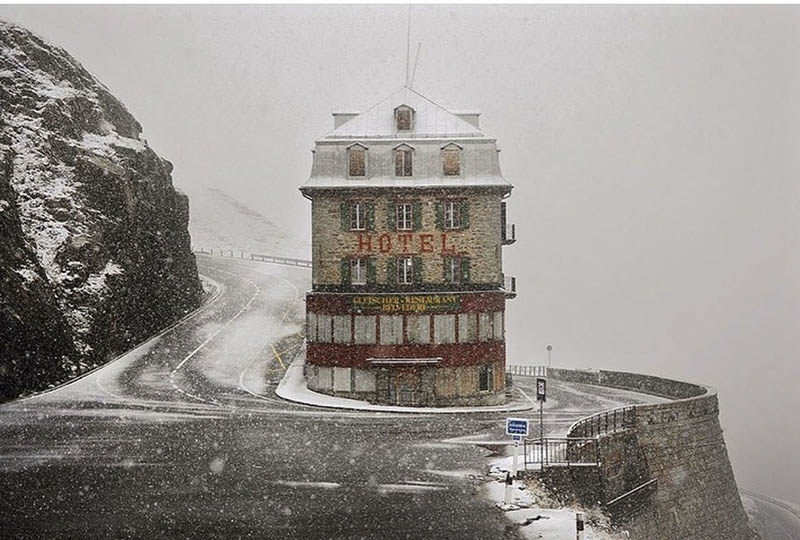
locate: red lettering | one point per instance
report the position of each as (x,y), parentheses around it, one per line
(364,245)
(445,247)
(406,238)
(385,243)
(426,243)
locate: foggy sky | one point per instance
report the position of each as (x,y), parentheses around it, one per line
(654,152)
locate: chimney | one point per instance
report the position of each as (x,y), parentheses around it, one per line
(471,117)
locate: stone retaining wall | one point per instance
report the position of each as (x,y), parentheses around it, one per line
(680,445)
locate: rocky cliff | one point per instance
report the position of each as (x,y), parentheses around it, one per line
(94,248)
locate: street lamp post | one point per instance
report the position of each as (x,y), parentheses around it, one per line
(549,348)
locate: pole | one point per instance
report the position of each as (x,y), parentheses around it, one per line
(507,491)
(516,457)
(579,525)
(541,436)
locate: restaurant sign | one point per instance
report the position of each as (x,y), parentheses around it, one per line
(400,303)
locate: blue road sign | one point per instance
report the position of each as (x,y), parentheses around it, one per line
(517,426)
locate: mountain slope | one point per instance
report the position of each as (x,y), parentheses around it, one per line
(95,249)
(221,222)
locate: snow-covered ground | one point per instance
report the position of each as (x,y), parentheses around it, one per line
(293,387)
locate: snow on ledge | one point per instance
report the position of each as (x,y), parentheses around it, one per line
(293,387)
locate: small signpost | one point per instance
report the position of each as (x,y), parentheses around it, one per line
(541,397)
(517,428)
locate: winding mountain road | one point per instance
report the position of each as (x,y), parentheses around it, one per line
(183,437)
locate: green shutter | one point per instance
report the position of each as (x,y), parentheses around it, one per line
(445,266)
(391,216)
(416,270)
(344,213)
(370,217)
(465,270)
(416,214)
(439,215)
(391,271)
(345,271)
(371,271)
(464,214)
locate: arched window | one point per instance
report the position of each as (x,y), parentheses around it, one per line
(404,118)
(451,159)
(357,160)
(403,158)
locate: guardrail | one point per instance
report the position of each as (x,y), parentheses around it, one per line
(527,371)
(604,423)
(274,259)
(562,451)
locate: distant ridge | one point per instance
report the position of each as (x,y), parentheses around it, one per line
(219,221)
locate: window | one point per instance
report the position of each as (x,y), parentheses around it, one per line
(485,331)
(403,160)
(452,214)
(418,328)
(485,376)
(498,326)
(403,117)
(405,216)
(324,328)
(452,269)
(444,329)
(358,271)
(405,270)
(451,160)
(358,216)
(357,161)
(364,329)
(467,327)
(341,328)
(391,329)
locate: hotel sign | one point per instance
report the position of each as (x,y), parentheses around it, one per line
(402,303)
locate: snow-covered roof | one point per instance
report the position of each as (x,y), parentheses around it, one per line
(430,120)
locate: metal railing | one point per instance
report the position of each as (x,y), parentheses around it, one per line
(604,423)
(562,452)
(509,234)
(527,371)
(274,259)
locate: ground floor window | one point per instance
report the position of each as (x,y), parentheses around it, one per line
(485,377)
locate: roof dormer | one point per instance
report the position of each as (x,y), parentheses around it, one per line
(403,118)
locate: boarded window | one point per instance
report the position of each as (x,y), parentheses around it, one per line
(444,329)
(403,157)
(341,379)
(364,380)
(498,325)
(341,329)
(357,161)
(324,328)
(325,378)
(418,328)
(311,327)
(364,329)
(391,329)
(451,160)
(403,117)
(467,327)
(484,327)
(485,378)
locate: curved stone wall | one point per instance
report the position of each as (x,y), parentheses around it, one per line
(667,475)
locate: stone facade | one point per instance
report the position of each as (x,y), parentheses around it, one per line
(407,305)
(673,452)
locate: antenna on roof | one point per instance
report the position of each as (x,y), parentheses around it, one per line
(408,45)
(414,69)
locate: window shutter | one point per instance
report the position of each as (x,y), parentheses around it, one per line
(445,266)
(439,215)
(416,270)
(344,213)
(391,271)
(370,217)
(371,271)
(345,271)
(464,214)
(465,270)
(391,216)
(417,215)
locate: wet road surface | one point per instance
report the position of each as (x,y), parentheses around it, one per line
(184,438)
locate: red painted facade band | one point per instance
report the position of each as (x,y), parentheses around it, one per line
(342,304)
(452,354)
